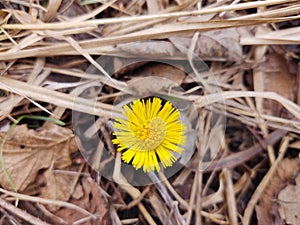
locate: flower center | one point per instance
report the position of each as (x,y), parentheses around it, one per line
(151,134)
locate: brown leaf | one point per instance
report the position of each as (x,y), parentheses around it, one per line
(273,75)
(155,78)
(216,44)
(267,211)
(289,201)
(59,186)
(27,151)
(94,200)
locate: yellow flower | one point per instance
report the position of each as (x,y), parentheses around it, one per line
(150,132)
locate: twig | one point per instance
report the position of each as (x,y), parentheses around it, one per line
(47,201)
(64,25)
(230,198)
(132,191)
(240,157)
(263,184)
(21,213)
(168,199)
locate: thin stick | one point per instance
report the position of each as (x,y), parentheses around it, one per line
(168,199)
(230,197)
(265,181)
(21,213)
(132,191)
(47,201)
(137,19)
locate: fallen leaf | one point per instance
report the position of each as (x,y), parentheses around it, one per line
(155,78)
(59,186)
(150,85)
(94,200)
(289,201)
(26,151)
(268,210)
(273,75)
(219,45)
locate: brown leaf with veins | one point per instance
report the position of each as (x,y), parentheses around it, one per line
(59,186)
(94,200)
(26,151)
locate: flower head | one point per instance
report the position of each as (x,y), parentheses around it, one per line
(149,133)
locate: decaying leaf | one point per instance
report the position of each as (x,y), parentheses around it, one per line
(144,86)
(155,78)
(216,44)
(289,201)
(59,186)
(94,200)
(26,151)
(275,77)
(267,211)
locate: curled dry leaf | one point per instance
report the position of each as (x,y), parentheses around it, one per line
(26,151)
(148,48)
(289,201)
(267,211)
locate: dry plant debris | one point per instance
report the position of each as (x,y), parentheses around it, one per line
(232,68)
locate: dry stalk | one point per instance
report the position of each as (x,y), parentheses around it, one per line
(21,213)
(265,181)
(168,199)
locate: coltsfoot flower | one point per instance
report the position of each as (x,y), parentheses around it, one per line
(150,132)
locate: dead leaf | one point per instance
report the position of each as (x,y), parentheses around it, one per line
(149,85)
(94,200)
(155,78)
(148,48)
(276,78)
(267,211)
(219,45)
(59,186)
(289,201)
(27,151)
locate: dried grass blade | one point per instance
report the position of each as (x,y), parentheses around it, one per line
(58,98)
(137,19)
